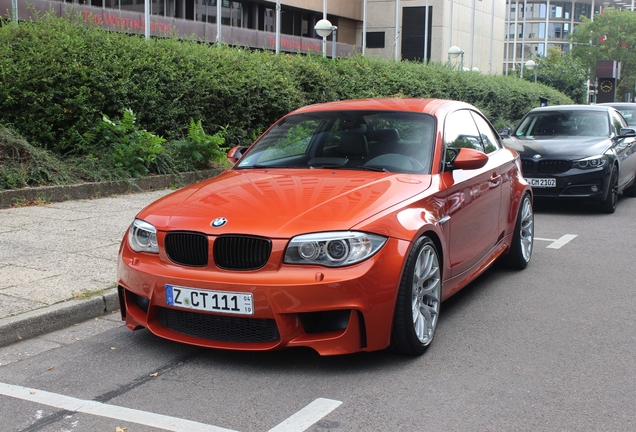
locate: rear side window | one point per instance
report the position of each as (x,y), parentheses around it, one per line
(489,138)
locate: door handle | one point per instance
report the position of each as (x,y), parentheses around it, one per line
(495,180)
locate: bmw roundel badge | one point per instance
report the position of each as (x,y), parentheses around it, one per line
(218,222)
(537,156)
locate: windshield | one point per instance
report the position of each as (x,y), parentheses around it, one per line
(551,123)
(366,140)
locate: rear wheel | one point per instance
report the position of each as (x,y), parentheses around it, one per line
(609,204)
(419,299)
(523,237)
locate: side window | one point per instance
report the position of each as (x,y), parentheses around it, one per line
(489,138)
(618,122)
(460,131)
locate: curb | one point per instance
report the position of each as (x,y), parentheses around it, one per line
(58,316)
(12,197)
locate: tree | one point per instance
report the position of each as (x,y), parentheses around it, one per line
(611,36)
(562,72)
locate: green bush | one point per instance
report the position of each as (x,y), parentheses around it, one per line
(23,165)
(203,150)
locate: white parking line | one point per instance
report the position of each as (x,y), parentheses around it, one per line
(299,422)
(307,416)
(558,243)
(105,410)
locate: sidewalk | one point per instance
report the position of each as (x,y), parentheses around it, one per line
(58,262)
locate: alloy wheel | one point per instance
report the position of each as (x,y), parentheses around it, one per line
(526,229)
(426,294)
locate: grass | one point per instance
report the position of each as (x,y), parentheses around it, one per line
(90,294)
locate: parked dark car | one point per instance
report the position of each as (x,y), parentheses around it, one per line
(627,109)
(583,152)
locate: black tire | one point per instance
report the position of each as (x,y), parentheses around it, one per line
(630,191)
(418,301)
(523,238)
(609,204)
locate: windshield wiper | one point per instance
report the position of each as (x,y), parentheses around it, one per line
(374,168)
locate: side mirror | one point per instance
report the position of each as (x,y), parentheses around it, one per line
(235,153)
(505,133)
(627,132)
(468,159)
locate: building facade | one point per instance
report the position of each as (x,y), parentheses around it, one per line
(416,30)
(490,35)
(429,28)
(534,26)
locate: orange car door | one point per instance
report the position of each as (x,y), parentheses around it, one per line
(474,210)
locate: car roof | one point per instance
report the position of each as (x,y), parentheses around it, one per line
(620,104)
(597,107)
(430,106)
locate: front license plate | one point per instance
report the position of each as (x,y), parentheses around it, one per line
(542,182)
(211,301)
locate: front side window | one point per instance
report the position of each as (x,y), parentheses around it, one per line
(618,122)
(460,131)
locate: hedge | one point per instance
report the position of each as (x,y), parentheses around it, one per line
(58,76)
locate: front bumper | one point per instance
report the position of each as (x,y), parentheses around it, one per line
(331,310)
(574,183)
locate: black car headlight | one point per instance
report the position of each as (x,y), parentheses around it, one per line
(592,162)
(142,237)
(333,249)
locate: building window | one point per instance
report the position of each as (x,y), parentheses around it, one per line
(375,39)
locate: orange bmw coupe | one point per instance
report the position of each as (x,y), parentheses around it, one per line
(342,229)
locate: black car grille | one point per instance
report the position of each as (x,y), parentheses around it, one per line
(187,248)
(544,166)
(553,166)
(241,252)
(527,166)
(219,328)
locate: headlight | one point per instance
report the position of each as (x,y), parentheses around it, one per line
(142,237)
(590,162)
(333,249)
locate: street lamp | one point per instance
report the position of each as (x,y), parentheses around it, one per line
(453,53)
(531,65)
(324,29)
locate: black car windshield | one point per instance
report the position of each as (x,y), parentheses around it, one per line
(392,141)
(564,122)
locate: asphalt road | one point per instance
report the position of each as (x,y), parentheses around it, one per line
(550,348)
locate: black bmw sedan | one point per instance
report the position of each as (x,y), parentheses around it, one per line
(585,152)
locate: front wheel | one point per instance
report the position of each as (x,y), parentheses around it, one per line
(609,204)
(630,191)
(523,237)
(418,302)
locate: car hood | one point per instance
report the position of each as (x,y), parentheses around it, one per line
(558,147)
(282,203)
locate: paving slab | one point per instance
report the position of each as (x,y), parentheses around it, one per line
(58,262)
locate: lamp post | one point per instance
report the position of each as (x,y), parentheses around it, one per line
(453,53)
(324,28)
(531,65)
(14,12)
